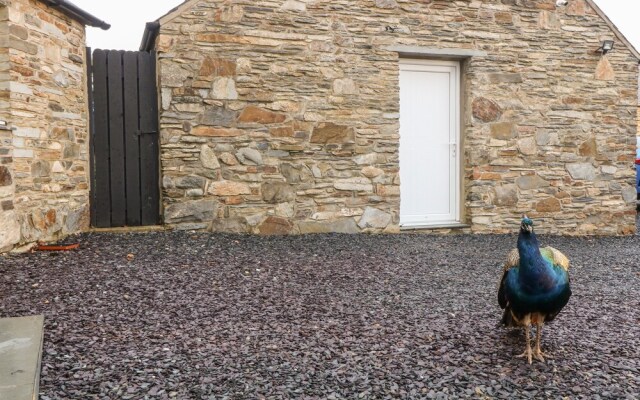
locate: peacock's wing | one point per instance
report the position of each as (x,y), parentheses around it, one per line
(513,259)
(555,257)
(558,259)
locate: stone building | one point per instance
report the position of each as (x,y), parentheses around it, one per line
(44,165)
(302,116)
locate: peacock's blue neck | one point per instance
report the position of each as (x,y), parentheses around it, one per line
(536,284)
(531,261)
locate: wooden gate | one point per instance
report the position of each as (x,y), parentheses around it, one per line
(125,187)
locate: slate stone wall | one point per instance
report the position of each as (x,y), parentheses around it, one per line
(44,170)
(283,116)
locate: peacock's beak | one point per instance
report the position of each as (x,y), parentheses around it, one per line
(526,228)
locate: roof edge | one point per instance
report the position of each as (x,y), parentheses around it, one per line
(171,14)
(151,31)
(176,11)
(614,28)
(77,13)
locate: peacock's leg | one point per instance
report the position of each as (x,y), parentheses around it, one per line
(527,329)
(537,352)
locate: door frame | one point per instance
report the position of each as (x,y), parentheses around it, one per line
(423,64)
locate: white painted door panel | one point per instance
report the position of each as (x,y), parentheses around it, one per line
(429,115)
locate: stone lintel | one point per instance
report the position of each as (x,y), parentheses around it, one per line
(421,51)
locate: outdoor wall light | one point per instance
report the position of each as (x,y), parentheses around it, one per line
(607,46)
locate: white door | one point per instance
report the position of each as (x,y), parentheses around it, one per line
(429,143)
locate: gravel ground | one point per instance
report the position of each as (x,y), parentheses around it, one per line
(198,316)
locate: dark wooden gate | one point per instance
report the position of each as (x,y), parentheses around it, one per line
(124,139)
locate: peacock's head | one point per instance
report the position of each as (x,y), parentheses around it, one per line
(527,225)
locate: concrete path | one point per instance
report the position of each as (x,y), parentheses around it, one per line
(20,355)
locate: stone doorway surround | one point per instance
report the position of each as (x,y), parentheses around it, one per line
(462,56)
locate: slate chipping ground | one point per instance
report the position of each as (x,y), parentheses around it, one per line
(201,316)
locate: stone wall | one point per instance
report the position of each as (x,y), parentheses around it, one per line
(9,230)
(44,190)
(281,116)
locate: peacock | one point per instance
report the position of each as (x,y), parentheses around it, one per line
(535,286)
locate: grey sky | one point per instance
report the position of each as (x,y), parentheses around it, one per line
(128,17)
